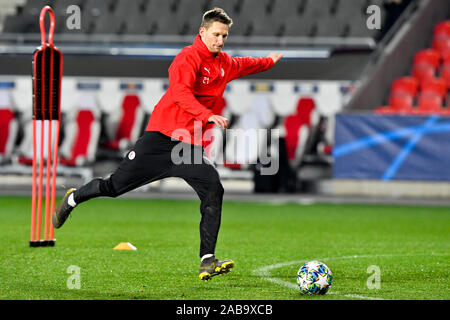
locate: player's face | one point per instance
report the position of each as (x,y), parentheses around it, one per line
(214,36)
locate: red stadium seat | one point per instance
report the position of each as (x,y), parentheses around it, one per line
(297,127)
(8,132)
(435,86)
(408,85)
(441,37)
(427,56)
(445,55)
(441,44)
(442,28)
(445,73)
(129,125)
(82,148)
(401,101)
(398,103)
(429,103)
(425,64)
(423,72)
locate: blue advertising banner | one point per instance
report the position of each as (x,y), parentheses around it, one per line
(392,147)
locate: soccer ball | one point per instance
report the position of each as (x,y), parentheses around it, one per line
(314,277)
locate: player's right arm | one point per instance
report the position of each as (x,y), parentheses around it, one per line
(242,66)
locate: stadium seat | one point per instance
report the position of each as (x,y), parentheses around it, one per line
(427,56)
(441,44)
(285,8)
(399,103)
(128,9)
(94,14)
(25,149)
(429,103)
(108,24)
(139,25)
(442,29)
(441,37)
(159,22)
(425,64)
(252,15)
(445,56)
(269,25)
(238,97)
(129,125)
(445,73)
(80,147)
(434,86)
(317,9)
(29,17)
(246,148)
(423,72)
(284,99)
(190,13)
(333,26)
(408,85)
(297,127)
(298,26)
(229,6)
(21,94)
(8,132)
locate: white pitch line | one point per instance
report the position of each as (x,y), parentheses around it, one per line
(264,272)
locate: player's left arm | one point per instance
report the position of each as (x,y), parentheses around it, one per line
(242,66)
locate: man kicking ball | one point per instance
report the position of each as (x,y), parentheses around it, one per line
(197,79)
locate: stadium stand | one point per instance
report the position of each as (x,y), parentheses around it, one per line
(324,18)
(426,90)
(109,26)
(9,124)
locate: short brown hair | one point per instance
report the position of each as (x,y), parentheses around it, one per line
(216,14)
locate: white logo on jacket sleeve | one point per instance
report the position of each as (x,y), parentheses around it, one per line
(207,70)
(222,72)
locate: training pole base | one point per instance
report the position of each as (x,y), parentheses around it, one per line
(42,243)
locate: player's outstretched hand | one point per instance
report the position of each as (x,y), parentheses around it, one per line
(275,57)
(220,121)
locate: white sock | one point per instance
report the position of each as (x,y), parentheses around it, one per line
(206,256)
(71,201)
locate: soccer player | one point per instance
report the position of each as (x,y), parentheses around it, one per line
(197,79)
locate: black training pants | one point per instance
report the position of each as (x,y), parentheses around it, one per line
(150,160)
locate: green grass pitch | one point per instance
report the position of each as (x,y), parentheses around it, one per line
(409,245)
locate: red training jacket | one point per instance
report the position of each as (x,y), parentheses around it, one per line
(197,80)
